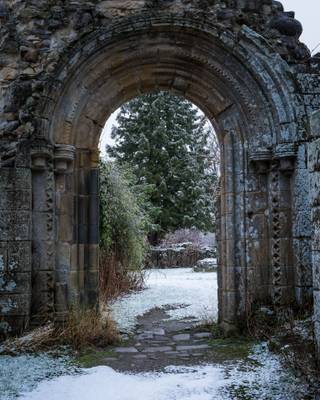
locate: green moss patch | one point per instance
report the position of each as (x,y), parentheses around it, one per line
(93,358)
(231,348)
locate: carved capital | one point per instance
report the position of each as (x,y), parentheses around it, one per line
(95,158)
(286,154)
(41,153)
(63,156)
(261,160)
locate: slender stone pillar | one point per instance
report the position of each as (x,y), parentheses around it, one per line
(85,261)
(92,272)
(258,231)
(43,254)
(66,287)
(227,272)
(280,199)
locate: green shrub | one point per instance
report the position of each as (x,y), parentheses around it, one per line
(125,217)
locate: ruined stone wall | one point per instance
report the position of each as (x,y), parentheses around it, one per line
(66,65)
(15,249)
(314,168)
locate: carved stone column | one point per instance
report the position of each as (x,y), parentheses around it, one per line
(282,167)
(65,288)
(92,272)
(258,231)
(43,253)
(86,247)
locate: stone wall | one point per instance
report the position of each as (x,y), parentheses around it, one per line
(314,168)
(15,249)
(177,256)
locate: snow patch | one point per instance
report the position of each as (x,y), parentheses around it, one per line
(23,373)
(103,383)
(197,292)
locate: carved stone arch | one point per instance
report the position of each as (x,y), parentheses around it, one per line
(234,84)
(271,73)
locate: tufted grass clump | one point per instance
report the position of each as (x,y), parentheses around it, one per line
(84,328)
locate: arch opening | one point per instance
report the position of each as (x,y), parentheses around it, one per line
(234,88)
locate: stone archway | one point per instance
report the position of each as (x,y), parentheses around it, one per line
(205,71)
(243,80)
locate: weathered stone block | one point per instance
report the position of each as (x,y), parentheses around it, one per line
(15,225)
(301,188)
(302,262)
(15,304)
(315,124)
(309,83)
(66,230)
(15,282)
(302,226)
(63,266)
(256,202)
(43,257)
(15,200)
(61,297)
(65,204)
(316,299)
(13,179)
(43,281)
(316,269)
(314,156)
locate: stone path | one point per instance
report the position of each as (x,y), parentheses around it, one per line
(158,342)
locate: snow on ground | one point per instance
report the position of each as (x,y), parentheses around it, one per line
(24,372)
(195,292)
(103,383)
(262,378)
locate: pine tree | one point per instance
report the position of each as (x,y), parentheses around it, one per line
(165,140)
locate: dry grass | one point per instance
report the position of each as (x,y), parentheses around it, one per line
(82,329)
(85,328)
(115,281)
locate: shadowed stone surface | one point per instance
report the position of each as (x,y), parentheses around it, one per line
(66,67)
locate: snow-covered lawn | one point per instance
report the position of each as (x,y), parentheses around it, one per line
(23,373)
(261,379)
(194,292)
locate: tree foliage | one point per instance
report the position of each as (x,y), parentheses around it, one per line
(167,144)
(124,216)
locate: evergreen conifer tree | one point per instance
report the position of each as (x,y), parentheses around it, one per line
(166,142)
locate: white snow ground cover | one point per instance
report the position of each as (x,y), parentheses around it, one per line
(23,373)
(194,292)
(261,378)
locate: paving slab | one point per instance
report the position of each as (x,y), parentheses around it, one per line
(182,337)
(159,349)
(126,350)
(203,335)
(193,347)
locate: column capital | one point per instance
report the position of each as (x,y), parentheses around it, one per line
(261,160)
(64,155)
(286,154)
(41,152)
